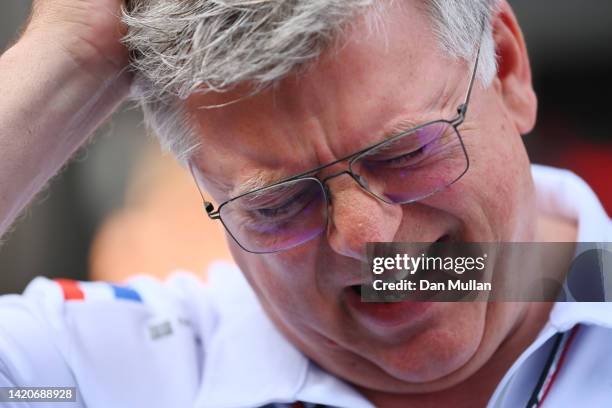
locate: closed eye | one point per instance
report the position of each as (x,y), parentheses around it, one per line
(280,211)
(397,161)
(288,208)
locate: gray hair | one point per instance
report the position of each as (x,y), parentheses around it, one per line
(180,47)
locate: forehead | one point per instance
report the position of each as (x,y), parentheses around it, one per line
(354,94)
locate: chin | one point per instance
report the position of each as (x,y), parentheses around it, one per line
(440,354)
(434,358)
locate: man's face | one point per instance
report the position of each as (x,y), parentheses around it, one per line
(348,100)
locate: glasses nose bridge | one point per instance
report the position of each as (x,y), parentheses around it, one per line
(336,174)
(355,177)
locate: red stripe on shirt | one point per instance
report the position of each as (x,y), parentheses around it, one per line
(71,289)
(568,343)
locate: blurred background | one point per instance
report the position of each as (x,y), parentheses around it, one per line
(109,213)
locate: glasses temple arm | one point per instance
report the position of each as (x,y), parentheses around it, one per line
(462,109)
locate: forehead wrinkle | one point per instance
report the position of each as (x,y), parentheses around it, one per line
(263,178)
(260,177)
(439,102)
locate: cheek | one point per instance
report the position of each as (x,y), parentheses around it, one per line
(287,289)
(283,282)
(492,197)
(509,189)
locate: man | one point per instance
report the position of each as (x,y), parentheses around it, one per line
(269,103)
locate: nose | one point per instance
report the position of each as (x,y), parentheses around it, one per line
(357,217)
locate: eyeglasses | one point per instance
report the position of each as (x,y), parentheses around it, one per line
(402,169)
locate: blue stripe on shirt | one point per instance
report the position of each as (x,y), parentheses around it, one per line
(127,293)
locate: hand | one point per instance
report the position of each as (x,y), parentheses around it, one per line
(89,31)
(64,77)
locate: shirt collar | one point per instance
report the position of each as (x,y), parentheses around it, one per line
(562,193)
(248,362)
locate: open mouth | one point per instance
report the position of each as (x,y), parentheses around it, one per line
(365,292)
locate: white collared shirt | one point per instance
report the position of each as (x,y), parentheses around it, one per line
(182,343)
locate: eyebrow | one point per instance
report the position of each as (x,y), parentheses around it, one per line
(252,183)
(402,125)
(432,109)
(439,102)
(262,179)
(255,182)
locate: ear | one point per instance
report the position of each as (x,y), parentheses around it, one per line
(514,72)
